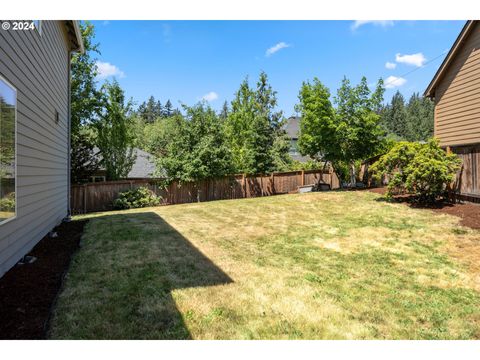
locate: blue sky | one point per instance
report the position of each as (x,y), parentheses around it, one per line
(190,60)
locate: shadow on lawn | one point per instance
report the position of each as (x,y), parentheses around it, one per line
(146,258)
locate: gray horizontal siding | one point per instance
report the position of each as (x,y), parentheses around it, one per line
(37,65)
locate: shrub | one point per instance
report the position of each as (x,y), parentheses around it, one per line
(394,165)
(424,170)
(431,171)
(8,202)
(136,198)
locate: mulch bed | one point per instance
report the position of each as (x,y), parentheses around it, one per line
(28,292)
(468,212)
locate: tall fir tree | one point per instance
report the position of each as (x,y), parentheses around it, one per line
(168,109)
(254,129)
(224,112)
(396,116)
(412,121)
(150,110)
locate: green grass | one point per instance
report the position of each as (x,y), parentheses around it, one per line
(337,265)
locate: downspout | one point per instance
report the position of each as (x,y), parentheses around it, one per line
(69,135)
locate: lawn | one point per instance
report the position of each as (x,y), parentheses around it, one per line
(337,265)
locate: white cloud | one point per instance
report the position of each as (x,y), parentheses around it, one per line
(414,59)
(106,69)
(106,22)
(383,23)
(390,65)
(394,81)
(211,96)
(275,48)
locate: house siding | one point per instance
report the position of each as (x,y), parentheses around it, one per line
(37,66)
(457,96)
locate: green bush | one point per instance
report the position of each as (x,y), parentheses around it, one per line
(8,202)
(136,198)
(423,170)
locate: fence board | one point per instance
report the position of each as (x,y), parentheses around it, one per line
(99,196)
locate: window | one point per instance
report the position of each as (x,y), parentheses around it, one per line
(8,104)
(38,25)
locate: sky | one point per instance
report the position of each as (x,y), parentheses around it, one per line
(187,61)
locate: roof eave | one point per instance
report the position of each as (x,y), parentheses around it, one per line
(73,28)
(430,91)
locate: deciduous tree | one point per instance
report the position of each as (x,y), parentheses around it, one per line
(85,106)
(115,137)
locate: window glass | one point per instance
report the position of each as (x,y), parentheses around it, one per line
(8,97)
(38,25)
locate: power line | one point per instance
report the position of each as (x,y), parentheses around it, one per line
(418,68)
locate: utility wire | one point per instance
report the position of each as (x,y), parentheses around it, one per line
(418,68)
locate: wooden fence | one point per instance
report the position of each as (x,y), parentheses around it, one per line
(99,196)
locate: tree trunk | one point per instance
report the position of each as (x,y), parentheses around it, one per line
(338,176)
(353,179)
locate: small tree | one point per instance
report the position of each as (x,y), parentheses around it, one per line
(358,132)
(318,125)
(345,135)
(115,137)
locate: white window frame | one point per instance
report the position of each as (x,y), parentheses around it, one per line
(10,85)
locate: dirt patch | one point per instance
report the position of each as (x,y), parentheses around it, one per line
(468,212)
(28,292)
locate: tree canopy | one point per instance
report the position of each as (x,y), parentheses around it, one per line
(85,106)
(115,137)
(191,147)
(254,129)
(346,134)
(412,120)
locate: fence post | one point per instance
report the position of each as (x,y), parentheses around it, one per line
(303,178)
(84,198)
(273,183)
(244,185)
(261,185)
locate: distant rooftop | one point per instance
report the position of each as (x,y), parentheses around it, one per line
(143,167)
(292,127)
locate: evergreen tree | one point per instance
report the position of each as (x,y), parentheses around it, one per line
(254,129)
(168,109)
(224,112)
(396,116)
(412,121)
(150,110)
(419,118)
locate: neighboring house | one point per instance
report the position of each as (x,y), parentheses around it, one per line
(292,128)
(34,133)
(455,89)
(143,167)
